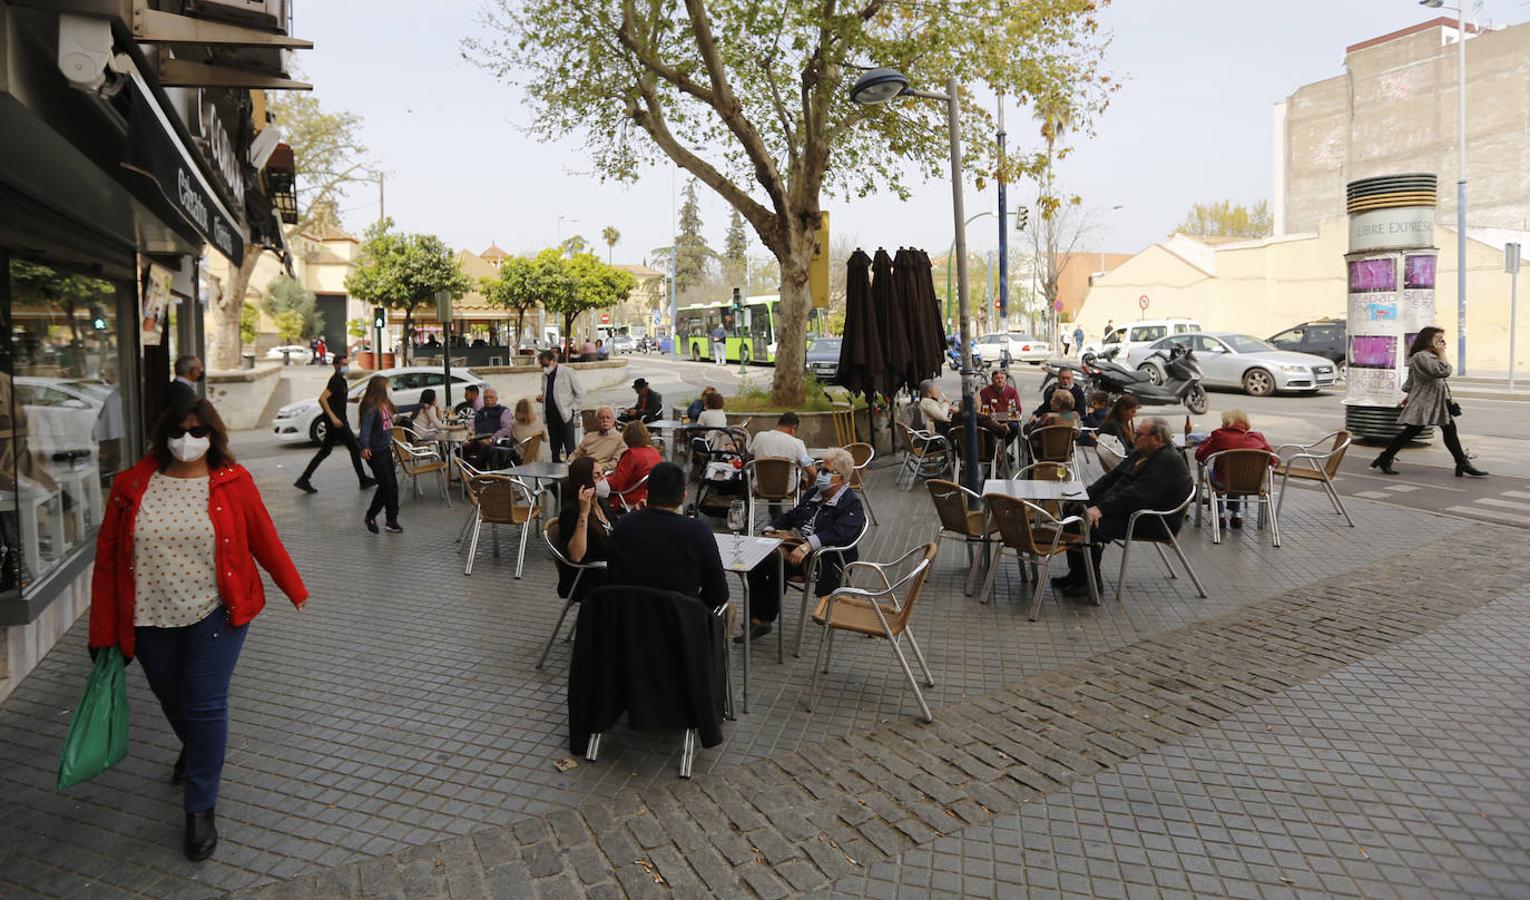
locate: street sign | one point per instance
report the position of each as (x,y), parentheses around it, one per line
(1511,258)
(656,317)
(605,318)
(1143,303)
(1058,305)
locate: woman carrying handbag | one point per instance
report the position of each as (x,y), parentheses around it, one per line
(176,584)
(1428,403)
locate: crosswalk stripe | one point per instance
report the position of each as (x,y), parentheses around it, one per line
(1480,513)
(1506,504)
(1373,495)
(1401,488)
(1517,495)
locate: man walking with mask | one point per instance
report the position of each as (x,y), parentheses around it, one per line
(338,430)
(560,399)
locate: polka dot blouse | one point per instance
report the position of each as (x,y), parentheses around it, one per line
(174,554)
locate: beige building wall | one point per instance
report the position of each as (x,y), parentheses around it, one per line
(320,264)
(1394,111)
(1262,287)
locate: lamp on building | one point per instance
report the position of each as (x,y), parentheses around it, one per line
(879,86)
(1460,178)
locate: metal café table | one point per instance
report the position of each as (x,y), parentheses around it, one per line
(740,554)
(1183,444)
(660,426)
(1058,491)
(539,472)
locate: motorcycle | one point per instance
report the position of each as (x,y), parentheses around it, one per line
(1181,383)
(954,359)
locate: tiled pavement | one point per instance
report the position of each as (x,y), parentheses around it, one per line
(403,708)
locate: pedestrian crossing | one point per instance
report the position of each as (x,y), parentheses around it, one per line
(1469,498)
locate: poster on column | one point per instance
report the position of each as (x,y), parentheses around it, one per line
(1377,309)
(155,304)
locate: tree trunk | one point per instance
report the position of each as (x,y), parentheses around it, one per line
(224,341)
(520,325)
(408,334)
(789,388)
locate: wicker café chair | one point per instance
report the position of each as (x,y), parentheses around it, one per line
(1310,464)
(862,454)
(1033,534)
(1245,476)
(959,520)
(503,501)
(772,480)
(420,459)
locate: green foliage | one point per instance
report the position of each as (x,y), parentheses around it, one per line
(357,328)
(574,245)
(524,283)
(289,326)
(736,250)
(691,250)
(595,285)
(402,271)
(817,398)
(611,236)
(249,323)
(1224,218)
(285,295)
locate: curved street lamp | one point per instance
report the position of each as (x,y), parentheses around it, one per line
(879,86)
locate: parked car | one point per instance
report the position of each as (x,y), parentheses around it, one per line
(623,343)
(1241,361)
(1325,337)
(300,353)
(305,419)
(823,358)
(1133,335)
(1022,347)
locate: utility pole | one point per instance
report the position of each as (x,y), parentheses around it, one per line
(382,209)
(1003,227)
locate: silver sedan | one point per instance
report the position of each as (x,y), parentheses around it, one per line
(1241,361)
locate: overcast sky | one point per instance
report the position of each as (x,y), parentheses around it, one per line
(1193,123)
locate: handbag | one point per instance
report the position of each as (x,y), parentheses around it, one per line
(1452,405)
(98,734)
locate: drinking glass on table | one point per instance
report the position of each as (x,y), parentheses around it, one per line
(738,517)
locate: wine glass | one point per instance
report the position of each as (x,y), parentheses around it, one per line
(738,516)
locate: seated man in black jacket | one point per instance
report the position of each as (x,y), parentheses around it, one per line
(657,547)
(649,406)
(831,515)
(1152,476)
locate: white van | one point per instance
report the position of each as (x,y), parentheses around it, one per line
(1140,333)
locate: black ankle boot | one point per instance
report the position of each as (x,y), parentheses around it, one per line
(1465,467)
(201,835)
(178,773)
(1384,463)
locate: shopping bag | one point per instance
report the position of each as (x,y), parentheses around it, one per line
(98,735)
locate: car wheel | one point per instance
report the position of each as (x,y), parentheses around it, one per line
(318,430)
(695,353)
(1087,359)
(1258,383)
(1154,376)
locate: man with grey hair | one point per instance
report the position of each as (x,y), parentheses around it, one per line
(604,444)
(830,515)
(188,373)
(1152,476)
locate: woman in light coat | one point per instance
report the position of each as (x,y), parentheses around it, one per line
(1428,403)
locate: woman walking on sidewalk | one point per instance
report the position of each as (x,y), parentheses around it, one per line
(377,449)
(175,582)
(1428,403)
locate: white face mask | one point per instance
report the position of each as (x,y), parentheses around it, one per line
(602,488)
(547,370)
(187,448)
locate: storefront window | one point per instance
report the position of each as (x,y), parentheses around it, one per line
(62,435)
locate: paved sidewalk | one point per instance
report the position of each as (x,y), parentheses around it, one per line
(403,709)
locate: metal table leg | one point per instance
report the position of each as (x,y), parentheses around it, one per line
(748,624)
(1089,572)
(781,606)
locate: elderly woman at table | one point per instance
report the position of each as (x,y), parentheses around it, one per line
(526,425)
(635,464)
(1233,435)
(584,524)
(830,515)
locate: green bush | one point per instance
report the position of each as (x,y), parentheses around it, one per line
(757,399)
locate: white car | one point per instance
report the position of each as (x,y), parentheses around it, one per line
(299,353)
(305,420)
(62,414)
(1132,335)
(1022,347)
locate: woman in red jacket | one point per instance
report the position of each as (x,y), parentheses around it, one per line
(1233,435)
(176,585)
(634,465)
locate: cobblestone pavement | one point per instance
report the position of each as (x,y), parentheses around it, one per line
(402,709)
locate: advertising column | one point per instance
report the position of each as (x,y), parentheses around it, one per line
(1391,269)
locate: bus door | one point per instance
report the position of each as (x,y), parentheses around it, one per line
(761,332)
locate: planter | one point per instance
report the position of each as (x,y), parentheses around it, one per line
(365,359)
(389,360)
(816,428)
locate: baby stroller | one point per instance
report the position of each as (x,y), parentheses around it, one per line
(717,466)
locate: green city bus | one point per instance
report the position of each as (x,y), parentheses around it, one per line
(751,331)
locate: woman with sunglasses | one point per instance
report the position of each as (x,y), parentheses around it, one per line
(1428,403)
(176,584)
(377,449)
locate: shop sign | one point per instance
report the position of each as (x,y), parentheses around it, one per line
(1396,228)
(155,150)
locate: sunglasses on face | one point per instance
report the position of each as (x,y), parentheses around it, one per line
(198,431)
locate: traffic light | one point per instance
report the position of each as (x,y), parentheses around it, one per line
(738,301)
(379,317)
(98,318)
(1022,218)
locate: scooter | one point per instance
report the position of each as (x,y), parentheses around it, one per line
(954,359)
(1181,384)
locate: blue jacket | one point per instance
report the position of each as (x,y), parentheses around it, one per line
(374,436)
(831,525)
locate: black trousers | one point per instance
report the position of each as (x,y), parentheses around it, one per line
(765,588)
(386,496)
(1110,528)
(1409,432)
(333,436)
(560,435)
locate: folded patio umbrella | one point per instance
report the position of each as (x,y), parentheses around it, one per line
(929,333)
(860,352)
(891,303)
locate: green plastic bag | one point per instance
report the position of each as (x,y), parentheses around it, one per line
(98,735)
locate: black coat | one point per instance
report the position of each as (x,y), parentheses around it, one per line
(834,526)
(594,548)
(656,548)
(649,407)
(655,655)
(1162,481)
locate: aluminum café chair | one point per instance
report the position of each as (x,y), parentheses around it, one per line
(926,454)
(958,519)
(811,568)
(1033,533)
(420,459)
(1246,477)
(1316,466)
(877,613)
(772,480)
(551,537)
(622,496)
(498,497)
(1163,517)
(862,454)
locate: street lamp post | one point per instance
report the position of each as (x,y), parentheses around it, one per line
(950,251)
(879,86)
(1460,178)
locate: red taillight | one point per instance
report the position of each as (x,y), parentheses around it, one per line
(1025,348)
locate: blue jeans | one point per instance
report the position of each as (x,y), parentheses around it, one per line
(189,670)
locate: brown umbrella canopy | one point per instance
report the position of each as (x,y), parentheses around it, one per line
(861,366)
(929,331)
(889,297)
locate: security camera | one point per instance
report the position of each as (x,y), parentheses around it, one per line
(84,50)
